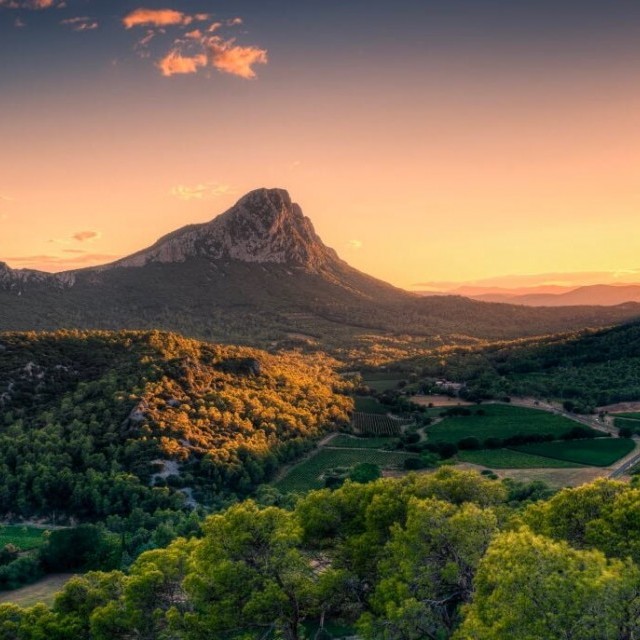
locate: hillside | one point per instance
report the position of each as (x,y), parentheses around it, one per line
(96,423)
(258,274)
(590,369)
(599,294)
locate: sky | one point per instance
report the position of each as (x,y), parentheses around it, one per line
(431,142)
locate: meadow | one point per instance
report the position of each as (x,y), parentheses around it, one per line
(309,474)
(499,421)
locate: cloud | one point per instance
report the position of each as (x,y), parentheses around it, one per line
(201,191)
(83,236)
(228,57)
(355,244)
(175,63)
(160,18)
(46,262)
(32,4)
(81,23)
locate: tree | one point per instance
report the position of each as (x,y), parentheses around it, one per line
(428,570)
(530,587)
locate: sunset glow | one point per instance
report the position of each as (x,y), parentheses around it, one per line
(428,141)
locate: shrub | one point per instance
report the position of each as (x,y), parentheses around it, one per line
(468,444)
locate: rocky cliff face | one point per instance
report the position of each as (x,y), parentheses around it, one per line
(262,227)
(17,279)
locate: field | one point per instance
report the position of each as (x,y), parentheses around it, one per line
(369,405)
(499,421)
(42,591)
(382,381)
(439,401)
(24,537)
(511,459)
(600,452)
(631,423)
(349,442)
(635,415)
(307,475)
(375,424)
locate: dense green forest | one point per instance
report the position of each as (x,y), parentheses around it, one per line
(99,424)
(449,554)
(589,369)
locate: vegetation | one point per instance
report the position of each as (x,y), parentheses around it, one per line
(447,555)
(375,425)
(99,424)
(23,537)
(343,441)
(312,473)
(587,369)
(512,459)
(600,452)
(499,421)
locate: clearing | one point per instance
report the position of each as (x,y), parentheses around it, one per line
(42,591)
(22,536)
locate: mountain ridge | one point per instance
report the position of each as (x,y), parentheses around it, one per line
(258,274)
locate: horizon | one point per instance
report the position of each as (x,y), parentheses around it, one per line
(427,141)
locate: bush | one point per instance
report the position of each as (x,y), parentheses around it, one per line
(579,433)
(365,472)
(469,444)
(411,464)
(85,547)
(493,443)
(21,571)
(625,432)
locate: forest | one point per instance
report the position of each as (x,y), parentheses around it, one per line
(450,554)
(144,431)
(587,369)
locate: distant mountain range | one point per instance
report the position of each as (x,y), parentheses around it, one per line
(553,296)
(259,274)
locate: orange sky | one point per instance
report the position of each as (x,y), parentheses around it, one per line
(435,167)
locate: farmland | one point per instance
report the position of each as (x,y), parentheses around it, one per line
(634,415)
(375,424)
(350,442)
(599,452)
(499,421)
(309,474)
(511,459)
(367,404)
(381,381)
(23,537)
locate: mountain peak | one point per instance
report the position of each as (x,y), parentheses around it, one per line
(264,226)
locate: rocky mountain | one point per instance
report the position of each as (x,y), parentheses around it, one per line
(259,274)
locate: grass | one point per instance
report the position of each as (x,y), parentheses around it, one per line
(599,452)
(349,442)
(368,404)
(631,423)
(634,415)
(499,421)
(307,475)
(21,536)
(382,382)
(42,591)
(510,459)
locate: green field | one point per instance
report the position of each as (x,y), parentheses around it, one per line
(350,442)
(510,459)
(600,452)
(24,537)
(630,423)
(307,475)
(382,382)
(499,421)
(44,590)
(635,415)
(367,404)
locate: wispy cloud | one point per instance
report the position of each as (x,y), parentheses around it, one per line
(354,244)
(49,262)
(81,23)
(32,4)
(83,236)
(161,18)
(201,191)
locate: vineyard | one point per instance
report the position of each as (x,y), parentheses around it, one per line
(372,424)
